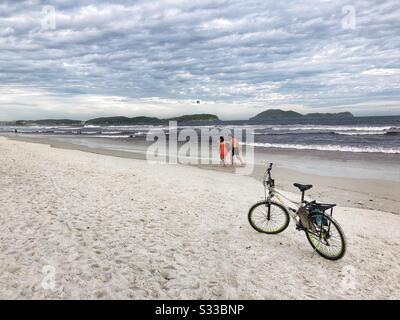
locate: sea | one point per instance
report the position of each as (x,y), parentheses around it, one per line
(354,135)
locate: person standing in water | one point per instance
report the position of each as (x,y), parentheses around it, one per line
(235,149)
(222,150)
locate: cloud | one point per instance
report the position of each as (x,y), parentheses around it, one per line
(28,102)
(382,72)
(237,57)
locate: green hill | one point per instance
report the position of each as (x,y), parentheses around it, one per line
(148,120)
(48,122)
(340,115)
(196,117)
(277,114)
(121,121)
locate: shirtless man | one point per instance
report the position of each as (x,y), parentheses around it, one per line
(235,149)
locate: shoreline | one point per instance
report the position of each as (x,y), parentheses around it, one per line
(374,194)
(376,166)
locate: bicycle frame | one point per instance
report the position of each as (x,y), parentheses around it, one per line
(273,193)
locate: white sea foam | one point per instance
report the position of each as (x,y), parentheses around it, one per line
(332,128)
(328,147)
(111,136)
(360,133)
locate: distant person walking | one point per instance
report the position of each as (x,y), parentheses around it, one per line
(222,150)
(235,149)
(15,131)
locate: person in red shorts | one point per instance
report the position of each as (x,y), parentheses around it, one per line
(222,150)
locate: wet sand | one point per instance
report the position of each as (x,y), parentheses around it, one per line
(344,179)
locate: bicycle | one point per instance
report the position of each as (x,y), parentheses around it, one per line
(272,217)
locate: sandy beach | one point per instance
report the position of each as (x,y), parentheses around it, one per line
(366,181)
(121,228)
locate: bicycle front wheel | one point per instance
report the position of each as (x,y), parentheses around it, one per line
(327,238)
(275,222)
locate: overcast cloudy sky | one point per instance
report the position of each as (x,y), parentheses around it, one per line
(97,58)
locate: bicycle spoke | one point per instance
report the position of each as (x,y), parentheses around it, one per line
(329,243)
(277,218)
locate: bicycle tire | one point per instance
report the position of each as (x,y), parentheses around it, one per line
(278,208)
(311,237)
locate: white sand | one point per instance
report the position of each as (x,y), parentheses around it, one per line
(121,228)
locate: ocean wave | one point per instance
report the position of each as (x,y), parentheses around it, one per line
(339,130)
(34,131)
(345,133)
(332,128)
(141,133)
(328,148)
(111,132)
(269,133)
(390,133)
(112,136)
(361,133)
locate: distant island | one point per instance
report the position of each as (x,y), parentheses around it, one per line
(269,116)
(116,121)
(46,122)
(277,114)
(150,120)
(196,117)
(122,121)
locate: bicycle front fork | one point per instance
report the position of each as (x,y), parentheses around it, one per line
(269,208)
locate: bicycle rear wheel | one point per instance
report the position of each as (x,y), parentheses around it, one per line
(274,223)
(328,238)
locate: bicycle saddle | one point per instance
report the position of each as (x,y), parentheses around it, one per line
(325,206)
(303,187)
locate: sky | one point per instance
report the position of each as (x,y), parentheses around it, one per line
(90,58)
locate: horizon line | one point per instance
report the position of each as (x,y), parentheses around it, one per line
(172,118)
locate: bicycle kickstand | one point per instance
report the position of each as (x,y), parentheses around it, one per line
(315,250)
